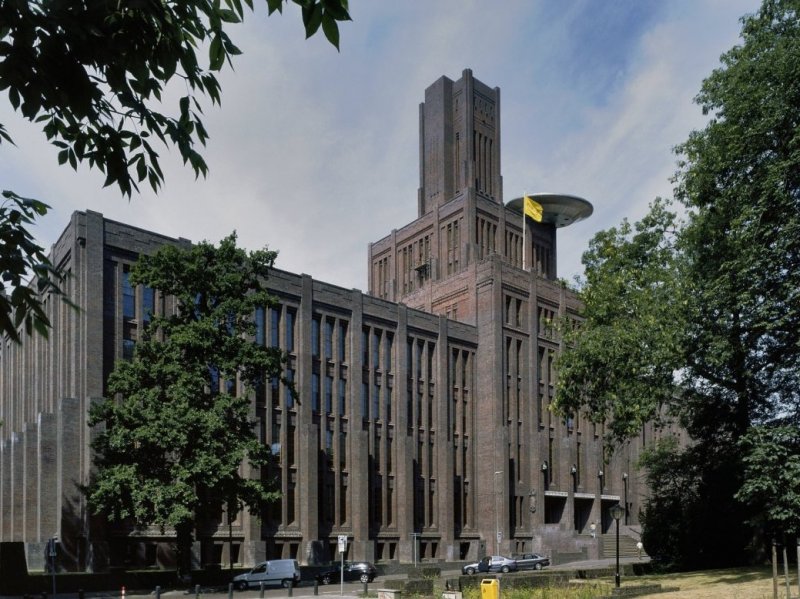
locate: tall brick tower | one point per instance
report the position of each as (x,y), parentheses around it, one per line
(470,256)
(459,125)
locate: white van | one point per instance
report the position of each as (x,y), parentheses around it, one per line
(285,572)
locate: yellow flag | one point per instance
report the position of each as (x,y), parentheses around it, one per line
(533,209)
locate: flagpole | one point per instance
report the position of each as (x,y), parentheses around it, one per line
(524,248)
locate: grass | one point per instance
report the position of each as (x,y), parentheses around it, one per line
(590,590)
(733,583)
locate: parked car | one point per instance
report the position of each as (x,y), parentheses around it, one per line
(491,563)
(361,571)
(285,572)
(531,561)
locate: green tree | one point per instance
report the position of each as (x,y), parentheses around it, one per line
(733,343)
(772,477)
(620,363)
(740,179)
(92,75)
(671,513)
(21,257)
(176,428)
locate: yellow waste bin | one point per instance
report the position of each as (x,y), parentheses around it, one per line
(490,589)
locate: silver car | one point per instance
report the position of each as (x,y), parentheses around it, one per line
(491,563)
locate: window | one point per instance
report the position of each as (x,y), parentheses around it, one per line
(328,341)
(315,392)
(275,446)
(274,391)
(387,352)
(290,320)
(213,372)
(387,412)
(342,341)
(290,379)
(128,295)
(315,337)
(329,395)
(274,328)
(342,397)
(148,304)
(260,326)
(376,349)
(365,400)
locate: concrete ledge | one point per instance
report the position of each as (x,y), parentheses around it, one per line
(639,590)
(389,593)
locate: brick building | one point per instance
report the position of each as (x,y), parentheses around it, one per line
(425,433)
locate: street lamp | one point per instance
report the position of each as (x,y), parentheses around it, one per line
(625,484)
(617,512)
(497,512)
(51,553)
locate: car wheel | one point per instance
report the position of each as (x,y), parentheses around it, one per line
(505,569)
(364,578)
(241,585)
(470,571)
(538,566)
(286,583)
(326,579)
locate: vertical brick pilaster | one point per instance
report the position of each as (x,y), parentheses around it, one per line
(307,488)
(17,485)
(404,491)
(31,490)
(359,441)
(445,453)
(47,459)
(5,491)
(68,478)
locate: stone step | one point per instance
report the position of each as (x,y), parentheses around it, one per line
(627,546)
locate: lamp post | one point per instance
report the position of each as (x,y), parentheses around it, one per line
(497,513)
(51,553)
(617,512)
(625,484)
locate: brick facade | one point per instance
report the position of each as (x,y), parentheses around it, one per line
(424,427)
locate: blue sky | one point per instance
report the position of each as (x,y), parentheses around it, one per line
(315,153)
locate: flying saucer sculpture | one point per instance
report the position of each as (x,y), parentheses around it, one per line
(558,209)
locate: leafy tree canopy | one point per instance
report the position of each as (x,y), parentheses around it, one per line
(772,476)
(21,256)
(92,75)
(740,179)
(176,428)
(621,363)
(707,318)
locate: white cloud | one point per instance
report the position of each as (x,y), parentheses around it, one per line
(314,152)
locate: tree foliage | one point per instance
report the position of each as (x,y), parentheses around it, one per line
(725,312)
(176,429)
(740,177)
(772,476)
(92,75)
(620,366)
(21,257)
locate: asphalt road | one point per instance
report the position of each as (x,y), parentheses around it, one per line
(306,588)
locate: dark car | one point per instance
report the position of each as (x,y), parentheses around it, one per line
(531,561)
(491,563)
(361,571)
